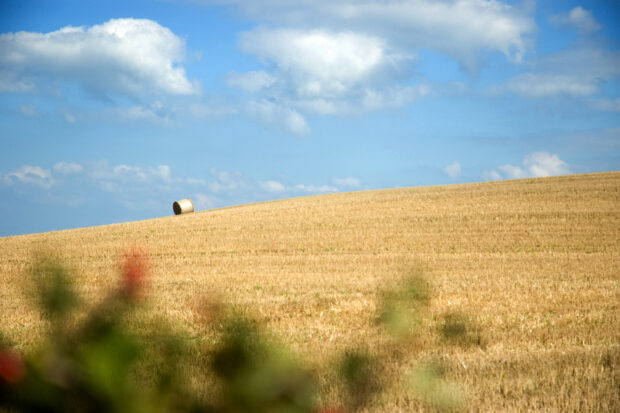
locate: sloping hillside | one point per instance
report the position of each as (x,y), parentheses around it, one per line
(533,264)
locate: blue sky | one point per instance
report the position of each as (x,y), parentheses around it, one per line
(110,111)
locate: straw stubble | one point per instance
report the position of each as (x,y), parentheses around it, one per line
(533,263)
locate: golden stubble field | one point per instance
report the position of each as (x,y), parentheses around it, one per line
(534,264)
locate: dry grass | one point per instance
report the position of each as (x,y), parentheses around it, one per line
(533,264)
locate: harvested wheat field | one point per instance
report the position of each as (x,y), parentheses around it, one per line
(530,267)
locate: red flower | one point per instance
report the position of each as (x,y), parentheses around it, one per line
(134,268)
(11,366)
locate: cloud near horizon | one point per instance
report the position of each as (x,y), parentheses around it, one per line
(453,170)
(133,186)
(534,165)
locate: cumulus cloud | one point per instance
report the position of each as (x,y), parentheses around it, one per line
(534,165)
(322,72)
(319,62)
(453,170)
(578,18)
(351,57)
(283,117)
(272,186)
(132,57)
(545,164)
(462,29)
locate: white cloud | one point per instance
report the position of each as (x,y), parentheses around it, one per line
(272,186)
(272,114)
(352,57)
(251,81)
(135,186)
(67,168)
(135,57)
(462,29)
(320,63)
(153,187)
(349,182)
(132,181)
(535,165)
(545,164)
(143,188)
(322,72)
(453,170)
(512,172)
(578,18)
(34,175)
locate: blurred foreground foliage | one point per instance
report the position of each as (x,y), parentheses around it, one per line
(93,360)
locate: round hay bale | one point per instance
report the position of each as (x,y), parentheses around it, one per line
(183,206)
